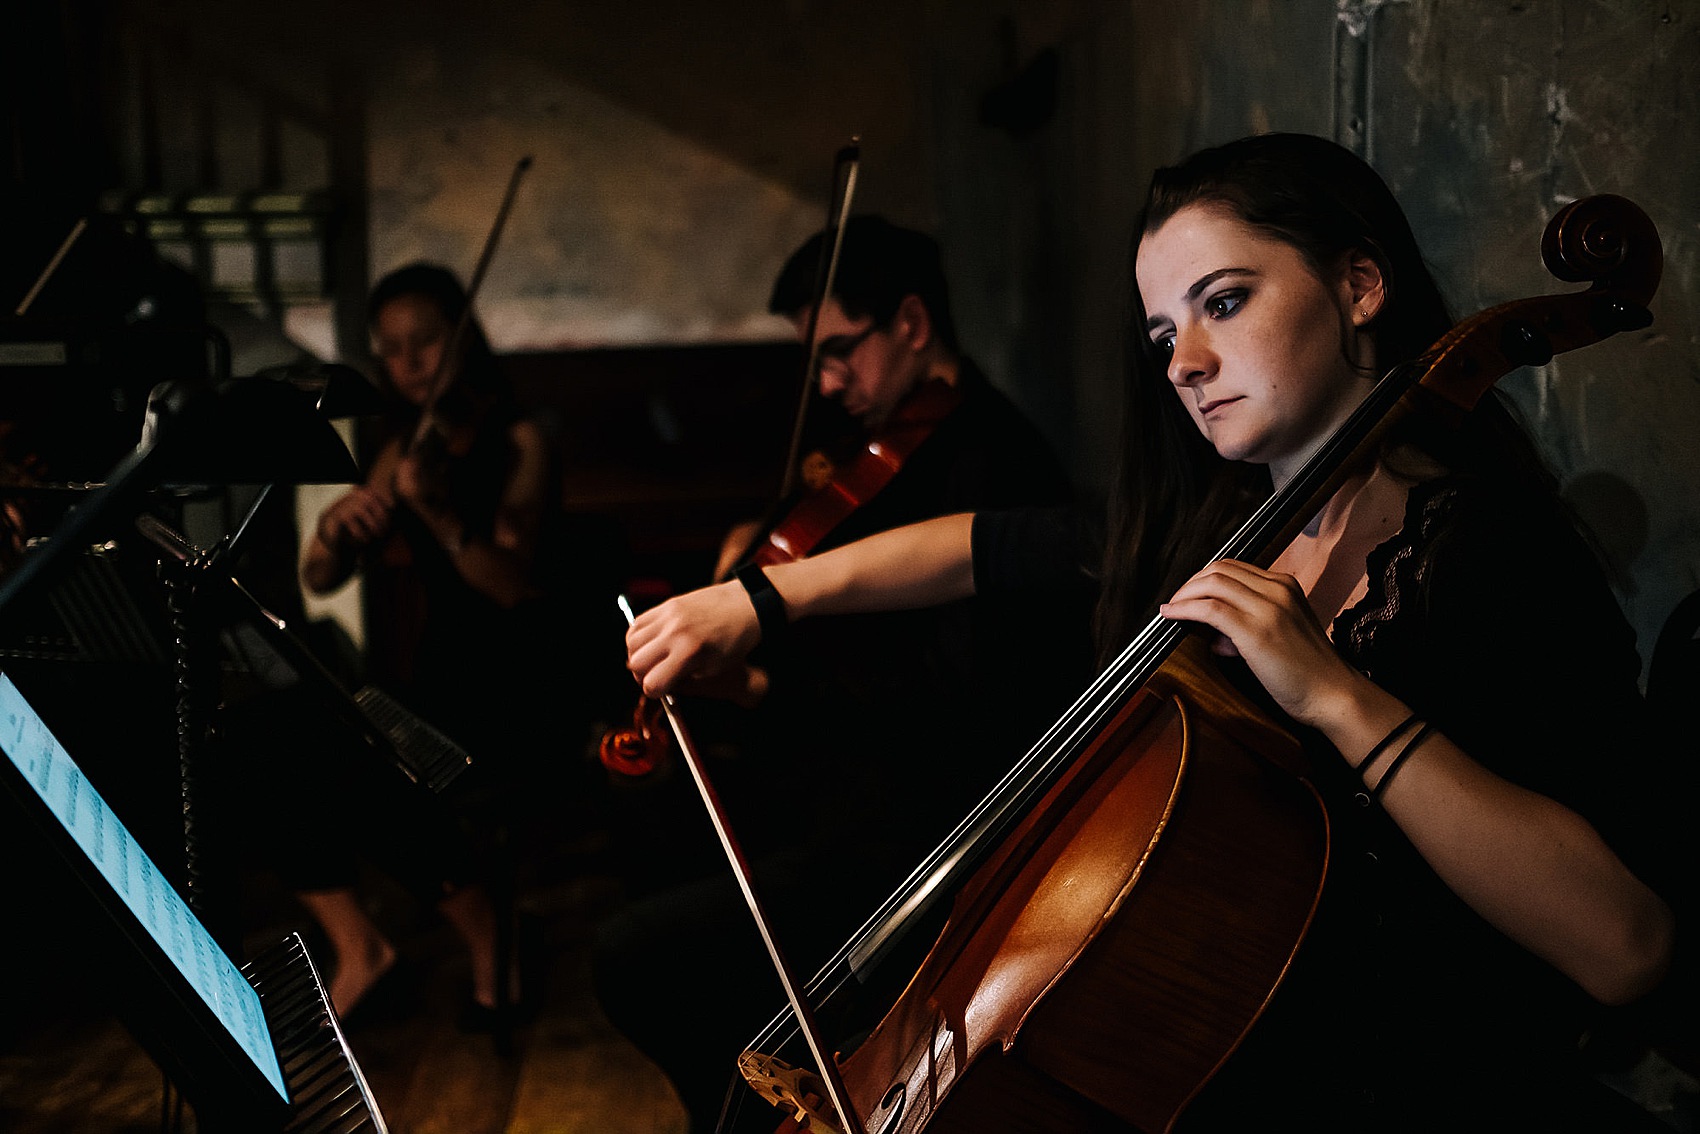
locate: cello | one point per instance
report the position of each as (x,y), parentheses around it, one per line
(1155,794)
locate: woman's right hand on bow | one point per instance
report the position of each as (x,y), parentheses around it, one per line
(694,642)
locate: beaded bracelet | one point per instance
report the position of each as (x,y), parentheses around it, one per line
(1382,744)
(1411,746)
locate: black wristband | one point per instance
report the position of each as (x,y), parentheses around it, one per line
(770,608)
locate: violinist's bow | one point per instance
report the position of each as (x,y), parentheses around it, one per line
(451,350)
(52,266)
(848,159)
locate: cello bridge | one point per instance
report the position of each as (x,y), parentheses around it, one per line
(796,1090)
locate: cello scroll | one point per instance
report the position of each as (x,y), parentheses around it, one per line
(1606,240)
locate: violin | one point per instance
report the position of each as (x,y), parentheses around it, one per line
(1164,826)
(833,491)
(645,746)
(447,421)
(640,748)
(849,486)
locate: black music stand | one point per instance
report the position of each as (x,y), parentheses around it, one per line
(196,435)
(256,1049)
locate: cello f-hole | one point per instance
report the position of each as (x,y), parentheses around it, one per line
(892,1106)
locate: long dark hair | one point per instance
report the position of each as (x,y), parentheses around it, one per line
(1174,500)
(480,385)
(481,395)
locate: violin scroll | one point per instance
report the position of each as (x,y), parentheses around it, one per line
(643,747)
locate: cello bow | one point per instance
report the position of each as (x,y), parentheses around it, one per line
(829,1080)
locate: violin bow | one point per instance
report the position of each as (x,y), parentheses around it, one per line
(848,159)
(836,1091)
(452,348)
(52,266)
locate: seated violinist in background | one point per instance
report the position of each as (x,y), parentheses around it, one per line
(1439,636)
(454,530)
(872,732)
(470,474)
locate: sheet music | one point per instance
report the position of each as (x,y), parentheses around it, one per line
(135,879)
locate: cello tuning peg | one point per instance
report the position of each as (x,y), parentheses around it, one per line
(1524,344)
(1619,315)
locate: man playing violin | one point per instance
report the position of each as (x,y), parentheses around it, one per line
(871,354)
(884,334)
(874,731)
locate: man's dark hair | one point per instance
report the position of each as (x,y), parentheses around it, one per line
(879,264)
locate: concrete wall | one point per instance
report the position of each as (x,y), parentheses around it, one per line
(681,148)
(1486,119)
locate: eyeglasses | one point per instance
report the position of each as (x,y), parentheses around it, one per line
(837,349)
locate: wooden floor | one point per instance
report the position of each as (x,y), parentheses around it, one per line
(67,1065)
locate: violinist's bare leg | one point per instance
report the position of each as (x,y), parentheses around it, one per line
(469,910)
(363,953)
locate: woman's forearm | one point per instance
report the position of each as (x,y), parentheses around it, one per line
(918,565)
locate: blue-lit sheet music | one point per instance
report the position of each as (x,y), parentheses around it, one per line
(135,879)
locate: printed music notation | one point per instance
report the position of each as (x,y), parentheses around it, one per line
(114,851)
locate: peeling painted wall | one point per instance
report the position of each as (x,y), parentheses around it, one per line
(682,148)
(623,232)
(1486,118)
(1490,118)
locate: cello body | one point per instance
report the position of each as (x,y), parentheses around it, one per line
(1134,927)
(1099,968)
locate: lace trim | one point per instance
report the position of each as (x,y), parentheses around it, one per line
(1398,572)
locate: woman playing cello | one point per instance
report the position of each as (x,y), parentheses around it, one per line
(1439,634)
